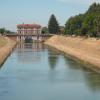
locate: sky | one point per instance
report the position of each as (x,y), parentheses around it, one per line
(13,12)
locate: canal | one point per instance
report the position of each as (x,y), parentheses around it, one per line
(38,72)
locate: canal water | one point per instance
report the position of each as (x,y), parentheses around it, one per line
(38,72)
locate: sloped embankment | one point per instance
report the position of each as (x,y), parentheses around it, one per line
(6,48)
(85,49)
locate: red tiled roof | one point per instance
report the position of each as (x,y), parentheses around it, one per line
(28,26)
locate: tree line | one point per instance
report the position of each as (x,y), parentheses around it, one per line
(87,24)
(4,31)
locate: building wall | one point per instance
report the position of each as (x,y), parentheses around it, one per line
(29,31)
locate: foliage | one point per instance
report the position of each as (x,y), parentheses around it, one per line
(53,26)
(87,24)
(73,25)
(3,31)
(44,30)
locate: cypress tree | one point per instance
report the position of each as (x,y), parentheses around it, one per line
(53,26)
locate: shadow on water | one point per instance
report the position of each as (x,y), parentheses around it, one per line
(93,81)
(53,56)
(92,78)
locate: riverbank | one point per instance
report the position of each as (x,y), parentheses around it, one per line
(2,41)
(6,47)
(84,49)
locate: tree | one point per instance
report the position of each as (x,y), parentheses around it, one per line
(87,24)
(44,30)
(97,24)
(2,31)
(73,25)
(84,30)
(53,26)
(94,8)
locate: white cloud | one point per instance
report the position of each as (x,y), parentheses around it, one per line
(80,1)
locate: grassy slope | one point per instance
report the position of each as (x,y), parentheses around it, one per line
(2,41)
(87,50)
(6,47)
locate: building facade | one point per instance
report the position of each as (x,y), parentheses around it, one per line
(28,30)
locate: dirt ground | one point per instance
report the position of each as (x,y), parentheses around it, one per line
(85,49)
(6,47)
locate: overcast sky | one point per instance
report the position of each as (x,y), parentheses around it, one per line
(13,12)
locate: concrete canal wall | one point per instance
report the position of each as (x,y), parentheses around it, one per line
(84,49)
(6,49)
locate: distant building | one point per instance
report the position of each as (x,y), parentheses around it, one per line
(28,29)
(26,32)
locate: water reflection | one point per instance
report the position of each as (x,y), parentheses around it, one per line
(92,79)
(53,56)
(75,64)
(29,53)
(37,72)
